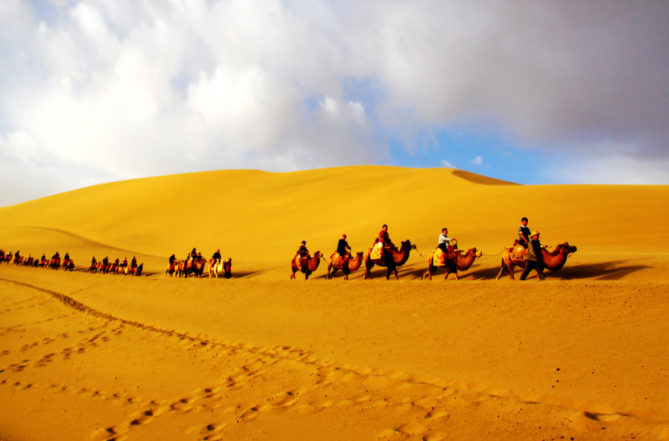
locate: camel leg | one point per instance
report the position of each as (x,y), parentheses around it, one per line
(511,271)
(501,270)
(448,271)
(292,273)
(457,277)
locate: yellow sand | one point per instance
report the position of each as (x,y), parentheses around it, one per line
(90,356)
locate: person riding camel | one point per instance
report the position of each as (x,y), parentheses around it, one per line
(523,233)
(125,262)
(534,259)
(193,254)
(17,254)
(444,243)
(134,262)
(217,256)
(385,238)
(67,256)
(56,256)
(116,262)
(105,261)
(172,259)
(343,249)
(93,261)
(43,258)
(303,254)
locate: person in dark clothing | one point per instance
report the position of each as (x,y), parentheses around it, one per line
(56,256)
(534,259)
(523,233)
(303,254)
(193,254)
(134,262)
(217,256)
(172,259)
(105,261)
(67,257)
(17,255)
(93,261)
(343,249)
(43,258)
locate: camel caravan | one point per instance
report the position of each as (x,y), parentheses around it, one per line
(526,253)
(194,264)
(104,266)
(29,261)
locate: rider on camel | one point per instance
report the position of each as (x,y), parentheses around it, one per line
(193,254)
(523,233)
(105,261)
(67,257)
(217,256)
(534,259)
(444,243)
(93,261)
(134,262)
(172,259)
(116,261)
(303,254)
(125,262)
(343,249)
(17,255)
(385,238)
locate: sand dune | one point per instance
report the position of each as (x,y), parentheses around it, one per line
(89,356)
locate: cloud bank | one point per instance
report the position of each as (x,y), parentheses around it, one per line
(92,91)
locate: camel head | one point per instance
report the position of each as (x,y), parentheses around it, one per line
(408,244)
(570,249)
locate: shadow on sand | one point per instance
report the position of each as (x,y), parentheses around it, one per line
(613,270)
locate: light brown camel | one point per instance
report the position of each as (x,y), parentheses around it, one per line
(455,260)
(312,265)
(224,267)
(391,259)
(553,260)
(350,265)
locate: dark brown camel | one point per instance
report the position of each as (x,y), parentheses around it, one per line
(455,260)
(553,260)
(391,259)
(349,266)
(312,265)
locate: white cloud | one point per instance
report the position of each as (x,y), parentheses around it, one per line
(477,161)
(263,84)
(618,169)
(447,164)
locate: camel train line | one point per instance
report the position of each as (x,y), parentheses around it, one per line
(53,263)
(526,253)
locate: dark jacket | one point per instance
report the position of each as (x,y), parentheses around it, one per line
(534,251)
(342,247)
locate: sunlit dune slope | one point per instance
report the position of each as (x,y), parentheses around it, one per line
(256,216)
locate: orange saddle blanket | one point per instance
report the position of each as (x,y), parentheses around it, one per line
(377,251)
(438,257)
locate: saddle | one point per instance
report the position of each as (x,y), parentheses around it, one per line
(518,252)
(377,251)
(438,257)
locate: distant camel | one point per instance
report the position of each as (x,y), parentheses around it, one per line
(351,264)
(454,261)
(391,259)
(312,265)
(224,268)
(554,261)
(172,268)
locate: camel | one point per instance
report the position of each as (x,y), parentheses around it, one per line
(455,261)
(54,263)
(312,265)
(553,261)
(18,259)
(391,259)
(172,268)
(130,269)
(224,268)
(351,264)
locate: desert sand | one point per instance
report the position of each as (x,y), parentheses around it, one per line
(101,357)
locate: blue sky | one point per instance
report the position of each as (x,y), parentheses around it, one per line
(535,92)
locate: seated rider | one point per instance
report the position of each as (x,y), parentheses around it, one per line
(116,262)
(67,256)
(444,242)
(43,257)
(56,256)
(93,261)
(217,256)
(172,259)
(523,233)
(193,254)
(343,249)
(385,238)
(303,254)
(105,261)
(134,262)
(17,255)
(125,262)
